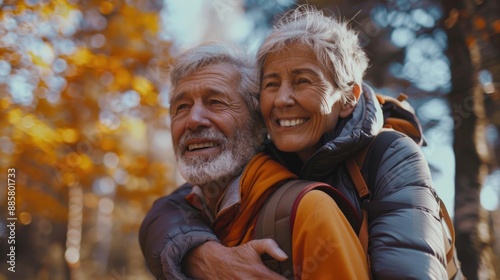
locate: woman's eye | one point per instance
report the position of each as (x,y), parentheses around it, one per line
(303,81)
(216,102)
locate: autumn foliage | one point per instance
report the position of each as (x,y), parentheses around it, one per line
(84,123)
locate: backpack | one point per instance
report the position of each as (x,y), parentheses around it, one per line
(275,218)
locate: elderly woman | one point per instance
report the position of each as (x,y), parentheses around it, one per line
(318,114)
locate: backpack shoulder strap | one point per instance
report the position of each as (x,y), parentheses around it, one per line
(363,167)
(376,150)
(367,163)
(274,220)
(368,159)
(277,215)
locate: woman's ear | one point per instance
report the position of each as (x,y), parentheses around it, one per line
(347,107)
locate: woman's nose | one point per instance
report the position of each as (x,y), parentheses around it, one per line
(198,117)
(284,97)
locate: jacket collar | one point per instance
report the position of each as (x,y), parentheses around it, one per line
(230,198)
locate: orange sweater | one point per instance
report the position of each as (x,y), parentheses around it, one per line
(324,244)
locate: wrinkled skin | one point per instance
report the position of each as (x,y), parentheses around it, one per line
(208,119)
(299,100)
(241,262)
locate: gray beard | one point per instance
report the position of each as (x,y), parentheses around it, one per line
(220,170)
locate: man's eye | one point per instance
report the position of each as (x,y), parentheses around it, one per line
(181,107)
(270,85)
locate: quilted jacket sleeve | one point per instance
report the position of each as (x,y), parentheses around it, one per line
(170,229)
(406,243)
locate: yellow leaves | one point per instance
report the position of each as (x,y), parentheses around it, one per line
(114,63)
(139,165)
(146,89)
(106,7)
(86,163)
(74,167)
(14,116)
(70,178)
(71,72)
(146,178)
(142,85)
(43,56)
(142,21)
(100,61)
(29,124)
(34,200)
(108,144)
(37,60)
(78,161)
(103,50)
(136,183)
(151,98)
(69,135)
(14,59)
(123,78)
(60,7)
(4,101)
(40,134)
(81,57)
(131,32)
(20,8)
(135,127)
(91,200)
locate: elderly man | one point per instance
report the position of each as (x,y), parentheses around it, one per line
(216,132)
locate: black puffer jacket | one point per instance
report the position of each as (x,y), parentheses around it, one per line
(403,244)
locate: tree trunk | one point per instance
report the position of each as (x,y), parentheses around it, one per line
(473,230)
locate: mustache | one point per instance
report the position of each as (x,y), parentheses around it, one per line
(213,135)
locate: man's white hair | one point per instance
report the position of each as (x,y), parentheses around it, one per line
(214,53)
(334,44)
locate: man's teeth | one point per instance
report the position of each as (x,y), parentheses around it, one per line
(288,123)
(201,145)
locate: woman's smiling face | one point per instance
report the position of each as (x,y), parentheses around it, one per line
(299,100)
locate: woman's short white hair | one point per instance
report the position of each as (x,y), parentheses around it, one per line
(334,44)
(214,53)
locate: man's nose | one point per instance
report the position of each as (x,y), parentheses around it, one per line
(284,96)
(198,117)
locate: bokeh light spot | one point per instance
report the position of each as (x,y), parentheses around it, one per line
(111,160)
(72,255)
(69,135)
(25,218)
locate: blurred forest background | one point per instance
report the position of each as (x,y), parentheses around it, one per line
(84,115)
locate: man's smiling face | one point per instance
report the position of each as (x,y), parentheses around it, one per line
(210,124)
